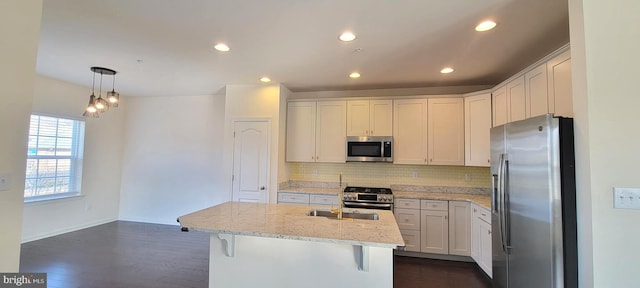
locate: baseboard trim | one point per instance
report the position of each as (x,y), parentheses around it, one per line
(67,230)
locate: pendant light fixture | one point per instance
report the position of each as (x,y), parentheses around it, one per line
(100,105)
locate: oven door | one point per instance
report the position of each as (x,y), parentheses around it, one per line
(368,205)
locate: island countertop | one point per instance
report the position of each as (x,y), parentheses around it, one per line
(292,222)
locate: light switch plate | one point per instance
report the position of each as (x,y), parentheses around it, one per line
(626,198)
(5,181)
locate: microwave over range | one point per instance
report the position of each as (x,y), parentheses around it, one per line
(369,149)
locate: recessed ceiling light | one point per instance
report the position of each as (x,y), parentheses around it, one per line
(354,75)
(485,26)
(222,47)
(446,70)
(265,79)
(347,36)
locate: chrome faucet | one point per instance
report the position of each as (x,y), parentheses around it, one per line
(340,194)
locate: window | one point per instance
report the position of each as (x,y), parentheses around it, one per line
(54,158)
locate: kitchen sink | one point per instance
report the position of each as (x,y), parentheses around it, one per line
(345,215)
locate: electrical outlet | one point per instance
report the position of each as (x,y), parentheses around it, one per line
(467,177)
(414,174)
(5,181)
(626,198)
(315,172)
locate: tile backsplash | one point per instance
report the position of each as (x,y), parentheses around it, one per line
(384,174)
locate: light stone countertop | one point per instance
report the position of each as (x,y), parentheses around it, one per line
(291,222)
(480,199)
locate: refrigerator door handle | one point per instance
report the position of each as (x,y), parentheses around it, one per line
(506,204)
(500,201)
(494,193)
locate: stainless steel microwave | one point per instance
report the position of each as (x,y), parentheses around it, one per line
(369,149)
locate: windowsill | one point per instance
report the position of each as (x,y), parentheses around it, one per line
(52,198)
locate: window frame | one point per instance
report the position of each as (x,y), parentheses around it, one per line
(76,159)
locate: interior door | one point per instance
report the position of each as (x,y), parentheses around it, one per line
(251,161)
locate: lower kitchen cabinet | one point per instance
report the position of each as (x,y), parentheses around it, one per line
(459,228)
(411,240)
(293,198)
(481,238)
(434,227)
(408,218)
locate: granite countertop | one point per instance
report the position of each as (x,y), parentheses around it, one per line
(480,199)
(292,222)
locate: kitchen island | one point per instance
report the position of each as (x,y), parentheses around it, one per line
(275,245)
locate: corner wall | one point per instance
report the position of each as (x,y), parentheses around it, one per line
(172,162)
(101,164)
(20,29)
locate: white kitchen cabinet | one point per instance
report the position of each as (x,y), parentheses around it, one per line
(535,82)
(499,104)
(477,126)
(316,131)
(331,131)
(481,238)
(445,132)
(407,214)
(560,91)
(516,100)
(323,200)
(293,198)
(410,131)
(369,117)
(434,227)
(459,228)
(301,132)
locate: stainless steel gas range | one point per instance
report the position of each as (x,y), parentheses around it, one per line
(368,198)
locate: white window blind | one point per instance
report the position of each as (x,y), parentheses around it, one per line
(54,158)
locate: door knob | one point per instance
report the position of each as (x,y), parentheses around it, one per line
(262,188)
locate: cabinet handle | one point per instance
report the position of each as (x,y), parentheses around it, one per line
(485,215)
(366,132)
(431,160)
(488,160)
(489,232)
(474,210)
(445,217)
(371,132)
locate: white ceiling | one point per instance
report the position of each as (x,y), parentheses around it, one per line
(404,43)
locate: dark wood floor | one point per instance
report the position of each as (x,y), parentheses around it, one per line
(140,255)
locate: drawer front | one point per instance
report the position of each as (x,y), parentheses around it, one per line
(407,203)
(408,219)
(301,198)
(436,205)
(482,213)
(411,240)
(323,200)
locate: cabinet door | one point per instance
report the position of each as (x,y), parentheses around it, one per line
(408,219)
(459,228)
(477,126)
(499,103)
(535,82)
(434,232)
(410,131)
(331,131)
(516,100)
(485,248)
(560,91)
(301,132)
(445,132)
(381,118)
(358,118)
(475,234)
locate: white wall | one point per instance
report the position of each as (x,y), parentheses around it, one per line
(254,101)
(604,43)
(20,28)
(101,165)
(172,157)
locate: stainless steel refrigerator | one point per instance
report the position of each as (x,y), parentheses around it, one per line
(533,204)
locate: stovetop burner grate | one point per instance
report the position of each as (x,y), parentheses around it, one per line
(371,190)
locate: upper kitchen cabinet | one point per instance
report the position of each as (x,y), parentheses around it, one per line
(301,131)
(560,91)
(499,103)
(535,82)
(445,131)
(316,131)
(410,131)
(428,131)
(477,124)
(369,117)
(516,100)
